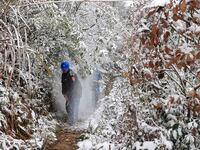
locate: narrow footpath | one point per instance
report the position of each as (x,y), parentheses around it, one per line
(67,139)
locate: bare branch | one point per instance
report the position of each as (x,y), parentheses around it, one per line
(196,87)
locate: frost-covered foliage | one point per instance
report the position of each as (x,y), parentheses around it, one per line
(35,36)
(165,75)
(25,122)
(112,126)
(102,27)
(156,50)
(54,36)
(161,61)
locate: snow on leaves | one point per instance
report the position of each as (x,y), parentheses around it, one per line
(175,21)
(154,35)
(169,91)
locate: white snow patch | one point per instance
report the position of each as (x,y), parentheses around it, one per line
(128,3)
(186,48)
(168,144)
(156,3)
(86,144)
(180,25)
(147,145)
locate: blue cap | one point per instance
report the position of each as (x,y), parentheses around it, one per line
(64,65)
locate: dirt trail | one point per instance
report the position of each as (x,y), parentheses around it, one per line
(67,139)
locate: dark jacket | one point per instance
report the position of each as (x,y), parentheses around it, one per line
(71,85)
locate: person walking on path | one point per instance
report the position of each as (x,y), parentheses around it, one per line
(71,90)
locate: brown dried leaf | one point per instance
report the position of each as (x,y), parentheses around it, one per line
(166,14)
(167,50)
(146,65)
(155,41)
(183,57)
(197,96)
(197,46)
(135,81)
(151,64)
(23,133)
(170,5)
(164,23)
(167,65)
(176,17)
(154,35)
(196,108)
(142,40)
(183,6)
(198,75)
(154,29)
(196,20)
(166,36)
(175,10)
(197,33)
(174,60)
(158,106)
(181,65)
(125,74)
(191,93)
(171,99)
(194,131)
(178,52)
(151,13)
(194,4)
(158,64)
(189,59)
(197,55)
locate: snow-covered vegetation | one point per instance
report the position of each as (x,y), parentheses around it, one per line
(148,56)
(113,125)
(168,93)
(162,56)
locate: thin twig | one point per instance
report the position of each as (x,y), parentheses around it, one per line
(7,28)
(185,36)
(178,75)
(176,83)
(196,87)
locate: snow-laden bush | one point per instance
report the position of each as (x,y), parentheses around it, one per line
(165,75)
(24,115)
(114,123)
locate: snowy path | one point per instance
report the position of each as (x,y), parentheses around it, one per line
(67,139)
